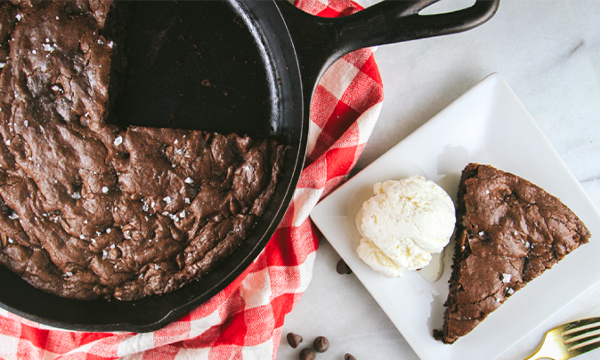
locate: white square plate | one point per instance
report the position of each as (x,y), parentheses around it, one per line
(487,125)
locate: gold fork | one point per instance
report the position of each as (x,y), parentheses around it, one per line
(569,340)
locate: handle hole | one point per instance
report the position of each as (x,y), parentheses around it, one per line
(447,6)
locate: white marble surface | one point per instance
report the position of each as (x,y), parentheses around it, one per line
(548,51)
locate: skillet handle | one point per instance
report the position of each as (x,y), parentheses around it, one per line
(320,41)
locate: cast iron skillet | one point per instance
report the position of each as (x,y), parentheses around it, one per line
(242,66)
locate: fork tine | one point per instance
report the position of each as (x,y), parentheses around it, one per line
(569,340)
(584,347)
(582,338)
(580,325)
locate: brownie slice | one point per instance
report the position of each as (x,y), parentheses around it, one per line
(509,231)
(88,209)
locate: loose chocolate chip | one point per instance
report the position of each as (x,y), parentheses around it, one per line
(294,340)
(307,354)
(321,344)
(349,357)
(342,268)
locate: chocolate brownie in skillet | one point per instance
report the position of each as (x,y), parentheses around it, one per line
(91,210)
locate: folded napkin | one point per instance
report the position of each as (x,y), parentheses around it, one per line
(244,320)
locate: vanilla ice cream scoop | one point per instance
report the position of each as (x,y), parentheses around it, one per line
(403,223)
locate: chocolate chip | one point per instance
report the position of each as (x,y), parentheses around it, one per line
(349,357)
(321,344)
(294,340)
(342,267)
(307,354)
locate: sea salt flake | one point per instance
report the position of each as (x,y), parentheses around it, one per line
(481,233)
(104,254)
(19,17)
(76,195)
(188,180)
(118,141)
(167,199)
(187,200)
(82,237)
(166,213)
(105,189)
(182,214)
(13,216)
(8,142)
(108,230)
(506,278)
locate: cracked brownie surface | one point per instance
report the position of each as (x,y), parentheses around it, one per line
(88,209)
(508,232)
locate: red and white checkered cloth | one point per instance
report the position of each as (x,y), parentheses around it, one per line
(244,320)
